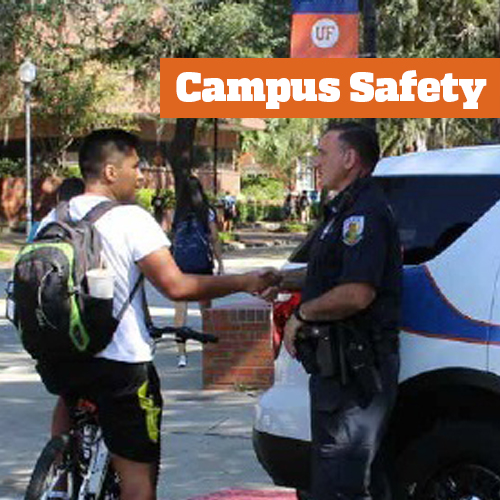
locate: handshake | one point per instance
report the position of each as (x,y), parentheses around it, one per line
(264,282)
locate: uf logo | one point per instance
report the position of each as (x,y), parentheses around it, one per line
(325,33)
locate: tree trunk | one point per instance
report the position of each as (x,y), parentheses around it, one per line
(181,151)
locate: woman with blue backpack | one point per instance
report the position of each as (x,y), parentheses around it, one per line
(196,245)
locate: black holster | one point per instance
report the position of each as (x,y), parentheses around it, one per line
(319,351)
(343,351)
(361,360)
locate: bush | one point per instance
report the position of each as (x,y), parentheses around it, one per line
(293,227)
(316,211)
(71,170)
(11,168)
(274,213)
(145,195)
(169,195)
(226,237)
(253,211)
(242,209)
(263,188)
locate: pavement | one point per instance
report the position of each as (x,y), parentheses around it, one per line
(207,450)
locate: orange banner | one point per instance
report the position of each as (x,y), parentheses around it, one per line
(324,35)
(342,88)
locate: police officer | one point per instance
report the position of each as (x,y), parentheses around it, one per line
(352,285)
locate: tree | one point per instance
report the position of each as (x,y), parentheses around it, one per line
(72,89)
(194,28)
(285,142)
(449,28)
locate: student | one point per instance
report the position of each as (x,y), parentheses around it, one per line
(121,380)
(196,245)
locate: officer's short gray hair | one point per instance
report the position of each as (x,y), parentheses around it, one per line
(364,140)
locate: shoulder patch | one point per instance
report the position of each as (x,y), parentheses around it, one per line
(352,229)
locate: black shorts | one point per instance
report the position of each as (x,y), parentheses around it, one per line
(128,400)
(229,214)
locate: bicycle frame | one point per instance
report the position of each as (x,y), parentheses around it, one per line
(91,452)
(82,454)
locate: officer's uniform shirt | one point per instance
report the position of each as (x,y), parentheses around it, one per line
(358,242)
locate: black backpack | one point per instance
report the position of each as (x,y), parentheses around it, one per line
(56,317)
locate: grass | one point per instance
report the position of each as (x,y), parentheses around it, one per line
(226,237)
(292,227)
(7,256)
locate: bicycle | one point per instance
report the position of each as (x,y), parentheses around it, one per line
(77,466)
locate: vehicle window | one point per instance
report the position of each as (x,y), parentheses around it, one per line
(433,211)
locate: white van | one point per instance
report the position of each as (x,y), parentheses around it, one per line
(443,441)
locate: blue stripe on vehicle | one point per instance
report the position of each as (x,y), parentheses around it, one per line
(426,311)
(325,6)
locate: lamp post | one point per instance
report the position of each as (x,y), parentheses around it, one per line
(216,152)
(27,75)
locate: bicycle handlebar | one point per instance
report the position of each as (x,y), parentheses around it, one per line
(184,333)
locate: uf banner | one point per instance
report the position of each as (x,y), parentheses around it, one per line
(325,28)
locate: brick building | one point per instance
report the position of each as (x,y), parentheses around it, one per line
(156,141)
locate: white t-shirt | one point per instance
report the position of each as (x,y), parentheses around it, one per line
(128,234)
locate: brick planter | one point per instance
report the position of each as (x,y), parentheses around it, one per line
(243,358)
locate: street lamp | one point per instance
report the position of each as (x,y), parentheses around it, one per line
(27,75)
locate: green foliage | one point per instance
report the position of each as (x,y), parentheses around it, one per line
(243,24)
(263,188)
(449,28)
(72,88)
(86,52)
(242,209)
(293,227)
(11,168)
(169,195)
(71,170)
(144,197)
(253,211)
(284,142)
(274,213)
(7,256)
(226,237)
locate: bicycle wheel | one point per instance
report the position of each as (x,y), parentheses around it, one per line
(54,473)
(111,486)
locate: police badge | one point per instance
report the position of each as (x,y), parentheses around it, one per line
(352,229)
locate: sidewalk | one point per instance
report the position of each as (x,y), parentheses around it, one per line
(207,447)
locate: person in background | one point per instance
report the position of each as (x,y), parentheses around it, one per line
(70,187)
(158,205)
(229,212)
(196,245)
(288,207)
(304,205)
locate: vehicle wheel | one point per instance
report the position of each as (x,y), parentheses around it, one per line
(302,495)
(54,468)
(453,461)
